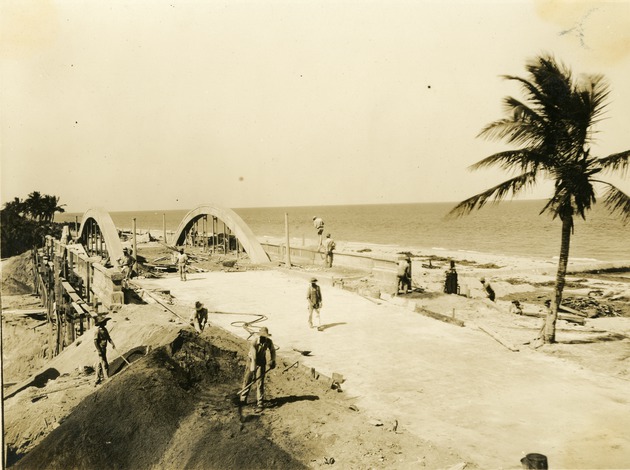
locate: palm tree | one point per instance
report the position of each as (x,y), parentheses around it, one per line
(553,129)
(16,207)
(50,205)
(34,204)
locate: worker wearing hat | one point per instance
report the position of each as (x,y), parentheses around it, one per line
(101,338)
(256,367)
(199,317)
(318,223)
(487,288)
(182,261)
(314,298)
(329,246)
(126,263)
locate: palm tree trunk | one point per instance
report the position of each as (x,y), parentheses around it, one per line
(550,322)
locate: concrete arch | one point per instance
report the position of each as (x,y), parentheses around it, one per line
(232,221)
(106,232)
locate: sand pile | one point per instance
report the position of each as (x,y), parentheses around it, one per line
(174,408)
(17,275)
(133,420)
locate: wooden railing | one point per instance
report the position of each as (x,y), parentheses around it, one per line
(74,288)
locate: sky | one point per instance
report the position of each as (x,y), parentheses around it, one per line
(143,105)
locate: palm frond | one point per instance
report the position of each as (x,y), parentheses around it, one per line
(615,162)
(531,90)
(513,131)
(617,202)
(525,159)
(495,194)
(559,205)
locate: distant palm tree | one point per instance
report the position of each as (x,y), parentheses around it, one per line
(554,130)
(50,205)
(16,207)
(34,204)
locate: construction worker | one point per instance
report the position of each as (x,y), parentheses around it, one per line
(256,367)
(488,290)
(314,298)
(182,261)
(318,223)
(126,262)
(199,317)
(404,275)
(450,283)
(515,308)
(329,246)
(101,338)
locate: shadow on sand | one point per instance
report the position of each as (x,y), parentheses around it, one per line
(279,401)
(331,325)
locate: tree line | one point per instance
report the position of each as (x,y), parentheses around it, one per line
(25,223)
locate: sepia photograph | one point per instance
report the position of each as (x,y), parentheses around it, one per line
(312,234)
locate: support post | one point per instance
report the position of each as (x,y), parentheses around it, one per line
(286,231)
(164,227)
(205,233)
(135,246)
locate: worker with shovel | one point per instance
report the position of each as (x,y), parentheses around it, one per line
(256,367)
(199,317)
(101,338)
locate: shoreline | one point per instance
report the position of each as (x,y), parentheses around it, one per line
(576,264)
(505,262)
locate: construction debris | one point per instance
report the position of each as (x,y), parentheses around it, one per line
(590,307)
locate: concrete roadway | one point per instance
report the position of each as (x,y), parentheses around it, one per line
(454,386)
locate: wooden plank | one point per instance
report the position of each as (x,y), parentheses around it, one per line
(439,316)
(25,311)
(572,311)
(78,308)
(66,285)
(561,316)
(496,336)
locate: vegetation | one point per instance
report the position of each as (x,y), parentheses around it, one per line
(554,129)
(24,224)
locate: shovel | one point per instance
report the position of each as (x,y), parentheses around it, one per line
(303,353)
(121,356)
(237,398)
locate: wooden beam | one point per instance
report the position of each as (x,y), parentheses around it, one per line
(25,311)
(561,316)
(439,316)
(496,336)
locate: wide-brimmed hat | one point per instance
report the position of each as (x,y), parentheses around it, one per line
(198,305)
(264,331)
(313,279)
(101,320)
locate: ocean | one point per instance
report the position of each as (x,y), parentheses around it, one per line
(510,228)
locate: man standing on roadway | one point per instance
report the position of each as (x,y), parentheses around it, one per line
(314,297)
(182,261)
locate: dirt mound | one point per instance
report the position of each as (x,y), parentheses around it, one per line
(17,275)
(174,408)
(134,419)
